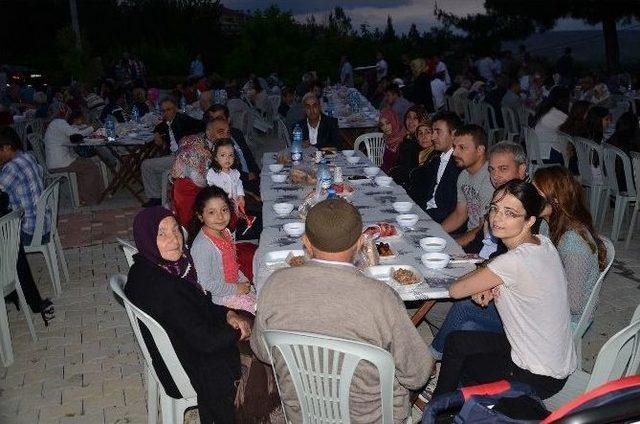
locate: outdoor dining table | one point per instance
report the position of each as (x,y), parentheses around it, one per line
(350,123)
(134,145)
(375,205)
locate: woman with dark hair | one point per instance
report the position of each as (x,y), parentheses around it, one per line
(528,286)
(627,138)
(575,122)
(597,122)
(164,284)
(551,114)
(409,148)
(571,230)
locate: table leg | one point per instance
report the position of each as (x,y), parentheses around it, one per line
(419,315)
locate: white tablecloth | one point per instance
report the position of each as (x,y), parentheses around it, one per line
(337,98)
(375,205)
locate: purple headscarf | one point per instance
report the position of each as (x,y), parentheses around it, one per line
(145,234)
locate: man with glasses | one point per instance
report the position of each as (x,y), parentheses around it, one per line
(435,187)
(167,136)
(318,129)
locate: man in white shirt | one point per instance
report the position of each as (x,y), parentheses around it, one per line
(438,89)
(382,68)
(474,184)
(434,184)
(346,72)
(318,129)
(61,157)
(441,68)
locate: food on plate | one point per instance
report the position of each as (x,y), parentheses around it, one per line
(384,249)
(283,158)
(387,230)
(372,231)
(296,261)
(404,276)
(299,176)
(342,188)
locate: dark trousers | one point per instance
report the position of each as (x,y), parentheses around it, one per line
(478,357)
(28,284)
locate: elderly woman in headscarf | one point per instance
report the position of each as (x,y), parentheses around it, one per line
(163,283)
(393,134)
(420,91)
(409,149)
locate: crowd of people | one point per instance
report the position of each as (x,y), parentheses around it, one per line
(512,318)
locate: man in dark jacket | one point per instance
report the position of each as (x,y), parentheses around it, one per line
(318,129)
(167,135)
(434,186)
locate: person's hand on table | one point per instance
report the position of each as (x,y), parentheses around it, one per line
(239,323)
(243,287)
(483,298)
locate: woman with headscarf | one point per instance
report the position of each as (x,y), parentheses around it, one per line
(393,134)
(420,91)
(163,283)
(409,149)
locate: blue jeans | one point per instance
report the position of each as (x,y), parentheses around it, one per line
(26,238)
(465,315)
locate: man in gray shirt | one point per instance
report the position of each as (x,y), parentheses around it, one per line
(328,295)
(474,185)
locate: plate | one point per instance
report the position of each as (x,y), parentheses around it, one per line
(384,273)
(278,258)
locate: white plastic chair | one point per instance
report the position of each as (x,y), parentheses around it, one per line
(490,124)
(166,180)
(9,245)
(619,357)
(52,250)
(589,152)
(35,126)
(622,199)
(512,130)
(533,150)
(635,164)
(322,367)
(172,409)
(70,178)
(283,133)
(128,248)
(373,144)
(587,314)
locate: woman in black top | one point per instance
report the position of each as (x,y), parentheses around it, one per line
(409,150)
(163,283)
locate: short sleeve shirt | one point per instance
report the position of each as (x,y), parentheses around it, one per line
(533,305)
(476,192)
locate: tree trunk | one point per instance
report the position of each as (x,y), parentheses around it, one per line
(75,24)
(611,47)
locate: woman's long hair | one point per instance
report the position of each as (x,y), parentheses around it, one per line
(576,120)
(568,211)
(558,97)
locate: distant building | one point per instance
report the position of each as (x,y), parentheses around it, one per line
(232,21)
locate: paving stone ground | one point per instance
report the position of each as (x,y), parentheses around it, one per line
(85,367)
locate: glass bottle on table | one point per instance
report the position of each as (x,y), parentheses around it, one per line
(110,128)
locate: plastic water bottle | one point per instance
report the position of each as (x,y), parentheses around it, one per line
(135,116)
(324,176)
(183,104)
(110,128)
(330,109)
(296,145)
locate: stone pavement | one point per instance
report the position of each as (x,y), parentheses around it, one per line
(85,367)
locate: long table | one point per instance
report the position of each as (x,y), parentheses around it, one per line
(375,205)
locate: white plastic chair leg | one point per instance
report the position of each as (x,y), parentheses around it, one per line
(168,410)
(50,252)
(27,311)
(632,224)
(618,215)
(73,187)
(152,399)
(6,349)
(63,261)
(48,261)
(604,206)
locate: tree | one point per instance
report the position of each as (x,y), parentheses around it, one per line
(512,20)
(389,34)
(413,36)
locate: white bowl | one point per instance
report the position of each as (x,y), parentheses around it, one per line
(433,244)
(402,207)
(435,260)
(383,181)
(294,229)
(353,159)
(371,171)
(407,220)
(276,167)
(348,153)
(282,209)
(278,178)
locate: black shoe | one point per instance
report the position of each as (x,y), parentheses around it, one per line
(47,311)
(152,202)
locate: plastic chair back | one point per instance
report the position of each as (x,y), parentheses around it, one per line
(35,126)
(587,152)
(275,100)
(128,248)
(510,122)
(9,246)
(610,153)
(374,146)
(37,146)
(533,148)
(283,133)
(322,367)
(160,338)
(490,120)
(587,314)
(46,209)
(619,356)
